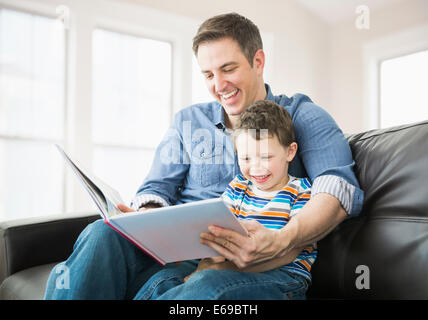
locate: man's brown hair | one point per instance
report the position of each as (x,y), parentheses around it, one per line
(230,25)
(266,116)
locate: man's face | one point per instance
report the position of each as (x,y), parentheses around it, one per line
(229,76)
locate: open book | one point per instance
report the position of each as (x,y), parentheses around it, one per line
(168,234)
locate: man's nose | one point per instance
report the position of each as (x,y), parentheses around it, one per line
(219,83)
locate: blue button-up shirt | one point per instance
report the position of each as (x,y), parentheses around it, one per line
(196,159)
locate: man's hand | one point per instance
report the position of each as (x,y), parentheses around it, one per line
(259,246)
(124,208)
(149,205)
(316,219)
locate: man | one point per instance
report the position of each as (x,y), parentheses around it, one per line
(186,168)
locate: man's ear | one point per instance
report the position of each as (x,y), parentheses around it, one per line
(292,150)
(259,61)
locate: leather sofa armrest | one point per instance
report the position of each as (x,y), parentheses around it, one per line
(30,242)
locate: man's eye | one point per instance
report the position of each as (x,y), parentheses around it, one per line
(208,76)
(229,70)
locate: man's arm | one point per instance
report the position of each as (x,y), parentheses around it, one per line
(327,158)
(317,218)
(321,214)
(219,263)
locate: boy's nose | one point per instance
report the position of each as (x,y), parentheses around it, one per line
(255,168)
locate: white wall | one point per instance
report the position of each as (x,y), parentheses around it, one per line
(313,57)
(394,30)
(308,55)
(300,51)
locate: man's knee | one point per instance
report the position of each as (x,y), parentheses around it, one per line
(97,231)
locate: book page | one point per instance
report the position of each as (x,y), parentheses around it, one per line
(172,233)
(105,197)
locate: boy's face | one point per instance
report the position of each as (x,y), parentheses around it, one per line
(264,162)
(229,76)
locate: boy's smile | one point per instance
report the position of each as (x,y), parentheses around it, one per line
(264,162)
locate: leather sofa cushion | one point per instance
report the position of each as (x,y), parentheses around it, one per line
(390,237)
(28,284)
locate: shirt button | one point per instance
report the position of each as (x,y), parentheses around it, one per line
(202,154)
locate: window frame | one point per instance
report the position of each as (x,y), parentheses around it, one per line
(130,19)
(373,53)
(36,11)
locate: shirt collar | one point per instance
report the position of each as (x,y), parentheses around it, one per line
(269,94)
(219,111)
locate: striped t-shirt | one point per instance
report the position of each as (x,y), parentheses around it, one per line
(273,210)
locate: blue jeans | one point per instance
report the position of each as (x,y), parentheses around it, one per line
(104,265)
(210,284)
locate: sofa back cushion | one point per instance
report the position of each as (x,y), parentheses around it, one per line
(383,253)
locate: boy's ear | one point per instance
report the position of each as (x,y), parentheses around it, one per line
(292,150)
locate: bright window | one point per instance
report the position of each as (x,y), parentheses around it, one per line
(132,108)
(403,90)
(200,91)
(32,111)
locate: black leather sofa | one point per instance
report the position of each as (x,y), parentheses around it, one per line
(382,254)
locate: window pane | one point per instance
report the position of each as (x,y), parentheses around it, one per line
(132,89)
(200,91)
(31,179)
(31,75)
(403,90)
(122,169)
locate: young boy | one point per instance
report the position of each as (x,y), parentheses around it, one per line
(264,192)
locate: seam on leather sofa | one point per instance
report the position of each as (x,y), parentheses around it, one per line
(380,132)
(402,219)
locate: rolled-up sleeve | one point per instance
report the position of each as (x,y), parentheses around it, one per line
(342,190)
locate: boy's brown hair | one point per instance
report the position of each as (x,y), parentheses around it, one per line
(266,116)
(230,25)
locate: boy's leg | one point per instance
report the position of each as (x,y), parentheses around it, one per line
(165,279)
(103,265)
(234,285)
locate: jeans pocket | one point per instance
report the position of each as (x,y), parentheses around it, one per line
(295,287)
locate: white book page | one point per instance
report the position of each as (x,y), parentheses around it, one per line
(105,197)
(173,233)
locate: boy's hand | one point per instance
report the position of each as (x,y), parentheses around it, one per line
(218,263)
